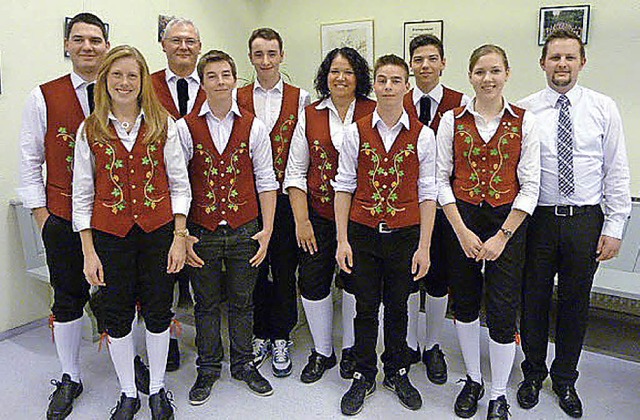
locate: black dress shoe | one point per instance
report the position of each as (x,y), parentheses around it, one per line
(161,405)
(467,401)
(173,358)
(254,380)
(406,392)
(62,398)
(528,393)
(569,400)
(142,375)
(436,365)
(201,389)
(353,400)
(316,366)
(347,363)
(414,355)
(126,408)
(498,409)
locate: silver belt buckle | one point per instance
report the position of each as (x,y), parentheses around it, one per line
(563,211)
(383,227)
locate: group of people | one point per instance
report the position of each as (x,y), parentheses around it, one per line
(260,192)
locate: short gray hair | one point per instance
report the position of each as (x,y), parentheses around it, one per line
(179,21)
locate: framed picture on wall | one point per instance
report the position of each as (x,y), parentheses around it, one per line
(413,29)
(64,34)
(355,34)
(163,20)
(572,18)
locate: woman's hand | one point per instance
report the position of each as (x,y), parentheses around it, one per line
(93,272)
(471,244)
(177,254)
(492,248)
(306,237)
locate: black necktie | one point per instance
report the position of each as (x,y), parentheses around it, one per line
(90,87)
(183,96)
(425,110)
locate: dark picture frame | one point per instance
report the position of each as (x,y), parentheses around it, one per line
(574,18)
(414,29)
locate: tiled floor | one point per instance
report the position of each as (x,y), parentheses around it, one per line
(608,386)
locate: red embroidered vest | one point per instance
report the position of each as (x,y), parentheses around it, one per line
(159,80)
(64,115)
(323,157)
(450,99)
(387,181)
(486,171)
(131,187)
(282,131)
(223,185)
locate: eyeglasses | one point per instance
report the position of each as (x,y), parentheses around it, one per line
(191,42)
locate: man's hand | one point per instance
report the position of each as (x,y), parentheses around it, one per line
(420,263)
(344,256)
(263,238)
(192,258)
(177,255)
(306,237)
(93,271)
(41,214)
(608,247)
(492,248)
(471,244)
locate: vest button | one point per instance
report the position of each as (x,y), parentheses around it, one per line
(223,212)
(484,170)
(222,175)
(384,187)
(133,187)
(483,182)
(222,162)
(483,195)
(135,216)
(224,200)
(386,159)
(134,201)
(484,158)
(222,187)
(130,156)
(132,171)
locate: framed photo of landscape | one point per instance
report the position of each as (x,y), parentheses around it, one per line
(355,34)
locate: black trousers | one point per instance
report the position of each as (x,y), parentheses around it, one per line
(436,282)
(65,261)
(565,246)
(135,269)
(381,273)
(276,306)
(502,278)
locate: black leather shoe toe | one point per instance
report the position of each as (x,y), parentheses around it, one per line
(569,400)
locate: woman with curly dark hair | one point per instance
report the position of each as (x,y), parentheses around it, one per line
(343,82)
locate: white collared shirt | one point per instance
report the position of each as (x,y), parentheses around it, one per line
(347,177)
(220,130)
(528,172)
(600,165)
(84,171)
(193,84)
(298,163)
(32,189)
(435,95)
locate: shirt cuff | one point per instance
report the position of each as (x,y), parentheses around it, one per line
(180,205)
(341,187)
(299,183)
(267,186)
(81,222)
(32,196)
(613,229)
(524,204)
(446,196)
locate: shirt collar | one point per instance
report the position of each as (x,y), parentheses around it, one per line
(436,94)
(169,75)
(112,117)
(279,87)
(574,95)
(404,120)
(235,109)
(470,107)
(78,81)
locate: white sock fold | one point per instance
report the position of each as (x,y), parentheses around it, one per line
(348,315)
(501,357)
(121,350)
(320,319)
(157,349)
(67,336)
(469,338)
(413,312)
(436,310)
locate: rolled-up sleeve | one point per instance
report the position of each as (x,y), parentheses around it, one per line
(261,157)
(529,167)
(347,176)
(298,163)
(83,182)
(427,189)
(177,174)
(444,159)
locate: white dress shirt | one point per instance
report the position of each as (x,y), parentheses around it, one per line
(435,95)
(84,171)
(220,130)
(32,190)
(347,177)
(298,163)
(600,165)
(528,172)
(193,84)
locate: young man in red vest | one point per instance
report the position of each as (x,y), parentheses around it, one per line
(277,104)
(385,208)
(51,117)
(231,170)
(427,102)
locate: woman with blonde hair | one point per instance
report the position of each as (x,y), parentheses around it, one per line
(131,195)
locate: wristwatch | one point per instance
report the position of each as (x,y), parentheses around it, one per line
(181,233)
(506,232)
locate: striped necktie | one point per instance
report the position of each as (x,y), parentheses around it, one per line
(565,148)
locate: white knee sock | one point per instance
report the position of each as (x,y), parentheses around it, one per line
(121,350)
(413,312)
(469,338)
(157,349)
(436,309)
(67,337)
(501,357)
(348,315)
(320,319)
(138,329)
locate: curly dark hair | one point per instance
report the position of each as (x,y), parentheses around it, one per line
(360,68)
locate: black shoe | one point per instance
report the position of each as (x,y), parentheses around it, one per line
(353,400)
(62,398)
(569,400)
(201,390)
(436,365)
(126,408)
(316,366)
(528,393)
(256,382)
(173,358)
(347,363)
(498,409)
(142,375)
(161,405)
(467,401)
(414,355)
(400,384)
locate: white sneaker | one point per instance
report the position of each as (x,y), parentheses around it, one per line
(281,362)
(261,351)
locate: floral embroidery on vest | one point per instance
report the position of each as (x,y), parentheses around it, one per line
(510,132)
(324,166)
(69,138)
(149,188)
(232,204)
(210,172)
(282,139)
(382,201)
